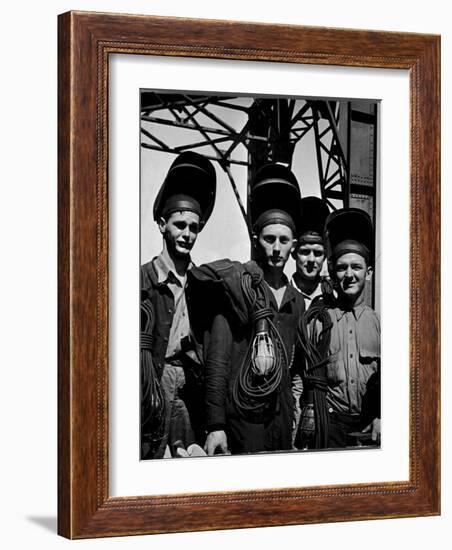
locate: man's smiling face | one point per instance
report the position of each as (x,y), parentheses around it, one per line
(351,272)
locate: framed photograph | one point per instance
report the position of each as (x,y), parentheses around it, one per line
(158,340)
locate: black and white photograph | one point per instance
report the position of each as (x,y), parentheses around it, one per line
(232,213)
(259,275)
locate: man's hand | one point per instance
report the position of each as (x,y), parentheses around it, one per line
(375,428)
(216,440)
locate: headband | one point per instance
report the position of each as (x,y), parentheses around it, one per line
(350,246)
(310,237)
(181,203)
(271,217)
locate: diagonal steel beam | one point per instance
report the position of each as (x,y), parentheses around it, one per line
(173,152)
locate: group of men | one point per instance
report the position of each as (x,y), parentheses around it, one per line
(235,357)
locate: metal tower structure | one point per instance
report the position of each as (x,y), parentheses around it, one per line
(270,128)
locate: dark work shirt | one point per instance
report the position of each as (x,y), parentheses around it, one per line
(227,349)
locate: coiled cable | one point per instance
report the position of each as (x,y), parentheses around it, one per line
(314,334)
(252,390)
(152,400)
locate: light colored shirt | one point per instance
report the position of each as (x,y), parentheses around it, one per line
(307,297)
(180,327)
(354,357)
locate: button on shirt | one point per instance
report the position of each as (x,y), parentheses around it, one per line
(354,357)
(180,327)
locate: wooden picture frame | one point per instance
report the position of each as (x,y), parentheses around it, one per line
(86,40)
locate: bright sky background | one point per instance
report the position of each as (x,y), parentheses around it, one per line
(225,235)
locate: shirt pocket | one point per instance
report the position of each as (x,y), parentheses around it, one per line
(369,358)
(335,369)
(369,345)
(370,363)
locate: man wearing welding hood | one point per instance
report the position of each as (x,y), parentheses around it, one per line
(353,371)
(252,337)
(309,254)
(341,344)
(171,366)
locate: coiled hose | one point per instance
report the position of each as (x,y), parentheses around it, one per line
(314,334)
(152,401)
(251,389)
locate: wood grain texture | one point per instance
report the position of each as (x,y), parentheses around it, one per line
(85,42)
(64,361)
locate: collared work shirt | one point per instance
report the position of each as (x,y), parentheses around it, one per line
(354,357)
(166,291)
(308,298)
(180,326)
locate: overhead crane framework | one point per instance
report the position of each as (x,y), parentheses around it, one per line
(344,135)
